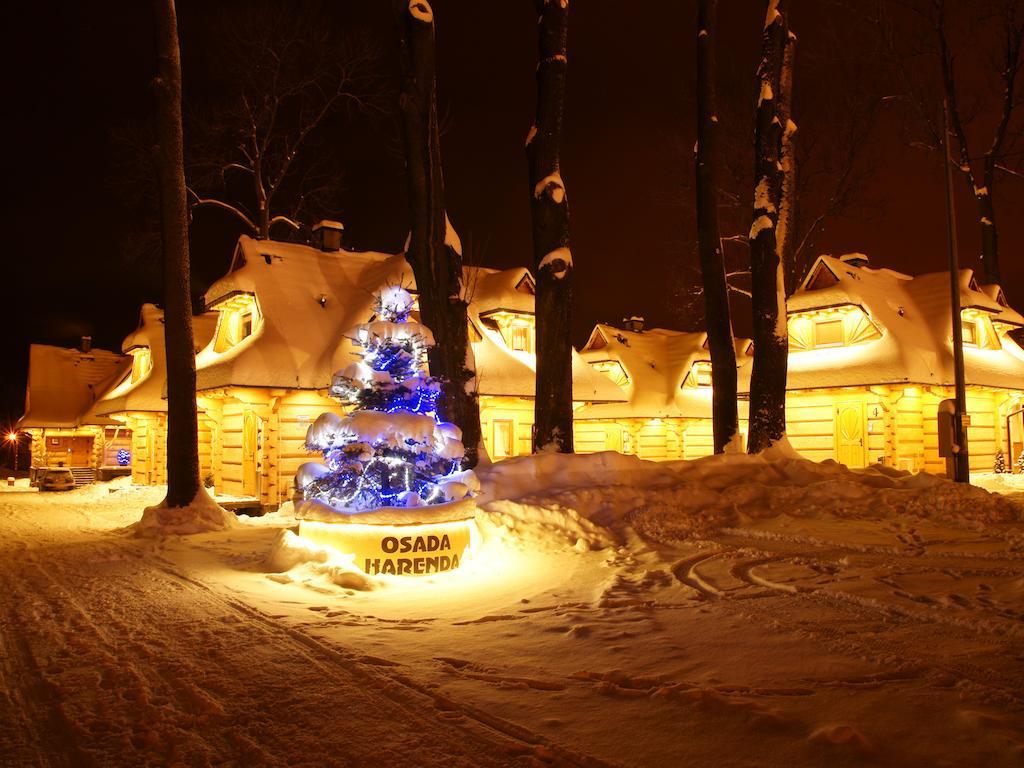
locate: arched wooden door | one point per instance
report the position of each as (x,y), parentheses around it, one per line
(851,439)
(252,429)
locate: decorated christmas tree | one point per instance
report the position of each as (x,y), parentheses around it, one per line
(1000,465)
(391,451)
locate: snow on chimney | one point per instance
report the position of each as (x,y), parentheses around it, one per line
(86,343)
(328,235)
(634,324)
(855,259)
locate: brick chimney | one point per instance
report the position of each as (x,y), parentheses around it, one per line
(328,235)
(634,324)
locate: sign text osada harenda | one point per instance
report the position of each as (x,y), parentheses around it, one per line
(408,550)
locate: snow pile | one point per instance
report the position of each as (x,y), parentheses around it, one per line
(308,559)
(201,516)
(593,501)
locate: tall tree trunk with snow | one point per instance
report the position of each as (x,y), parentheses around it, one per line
(182,422)
(1011,63)
(785,232)
(435,253)
(768,288)
(717,317)
(549,207)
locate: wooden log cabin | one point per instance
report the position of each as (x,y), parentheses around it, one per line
(62,387)
(666,376)
(283,314)
(137,403)
(871,359)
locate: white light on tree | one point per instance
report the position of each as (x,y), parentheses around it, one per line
(391,461)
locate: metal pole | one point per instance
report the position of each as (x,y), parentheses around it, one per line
(962,470)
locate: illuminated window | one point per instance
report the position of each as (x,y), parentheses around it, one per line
(828,333)
(142,361)
(503,435)
(237,322)
(519,338)
(613,370)
(702,374)
(245,326)
(969,331)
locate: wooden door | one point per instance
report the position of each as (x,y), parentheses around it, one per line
(150,454)
(851,442)
(251,434)
(504,436)
(81,452)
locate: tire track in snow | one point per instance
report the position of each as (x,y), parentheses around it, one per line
(149,682)
(883,648)
(373,671)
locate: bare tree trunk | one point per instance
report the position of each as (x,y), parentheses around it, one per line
(768,288)
(1011,64)
(717,316)
(552,258)
(785,236)
(182,422)
(435,259)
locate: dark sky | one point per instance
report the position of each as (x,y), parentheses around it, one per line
(75,74)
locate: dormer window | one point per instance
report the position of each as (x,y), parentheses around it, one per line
(834,327)
(516,328)
(519,338)
(239,317)
(613,370)
(828,333)
(699,375)
(969,333)
(142,361)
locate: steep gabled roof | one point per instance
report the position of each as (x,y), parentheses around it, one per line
(63,384)
(657,362)
(913,315)
(309,300)
(149,393)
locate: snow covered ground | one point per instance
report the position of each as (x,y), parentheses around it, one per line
(739,611)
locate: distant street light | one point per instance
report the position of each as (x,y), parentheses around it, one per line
(12,438)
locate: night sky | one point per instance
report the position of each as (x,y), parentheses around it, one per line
(76,74)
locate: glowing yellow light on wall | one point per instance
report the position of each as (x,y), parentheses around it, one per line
(397,550)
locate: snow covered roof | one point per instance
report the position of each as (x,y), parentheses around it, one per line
(912,314)
(657,362)
(149,393)
(63,384)
(308,300)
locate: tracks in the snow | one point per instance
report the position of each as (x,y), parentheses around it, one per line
(735,577)
(386,677)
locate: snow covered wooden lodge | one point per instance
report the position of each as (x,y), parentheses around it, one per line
(871,358)
(273,335)
(284,312)
(63,385)
(138,401)
(666,377)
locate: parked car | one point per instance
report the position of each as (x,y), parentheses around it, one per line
(57,479)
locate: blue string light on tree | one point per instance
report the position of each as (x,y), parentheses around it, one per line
(392,450)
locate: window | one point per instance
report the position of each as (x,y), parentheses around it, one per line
(702,374)
(141,362)
(969,330)
(519,338)
(245,326)
(503,435)
(828,333)
(613,370)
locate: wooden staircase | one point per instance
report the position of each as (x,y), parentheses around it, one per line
(83,475)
